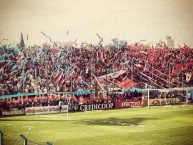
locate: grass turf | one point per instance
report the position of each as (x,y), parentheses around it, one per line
(147,126)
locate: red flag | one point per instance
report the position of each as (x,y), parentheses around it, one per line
(104,56)
(58,77)
(139,66)
(143,52)
(56,51)
(101,55)
(127,83)
(61,81)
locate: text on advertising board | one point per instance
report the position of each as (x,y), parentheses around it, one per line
(96,107)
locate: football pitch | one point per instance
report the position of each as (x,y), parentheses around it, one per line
(133,126)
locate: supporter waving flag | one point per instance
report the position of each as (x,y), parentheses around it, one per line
(101,55)
(186,49)
(188,77)
(58,77)
(143,53)
(139,66)
(62,80)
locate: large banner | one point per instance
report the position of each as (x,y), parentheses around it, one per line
(128,104)
(95,107)
(45,109)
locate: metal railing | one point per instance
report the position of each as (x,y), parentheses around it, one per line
(22,140)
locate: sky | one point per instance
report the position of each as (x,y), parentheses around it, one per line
(130,20)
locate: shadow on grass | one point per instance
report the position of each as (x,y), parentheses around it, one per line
(116,121)
(103,122)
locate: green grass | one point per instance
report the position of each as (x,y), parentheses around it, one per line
(133,126)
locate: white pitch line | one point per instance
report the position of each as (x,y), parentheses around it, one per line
(47,116)
(119,129)
(53,117)
(140,125)
(92,121)
(131,125)
(7,124)
(28,126)
(86,120)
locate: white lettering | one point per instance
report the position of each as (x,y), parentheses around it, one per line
(96,107)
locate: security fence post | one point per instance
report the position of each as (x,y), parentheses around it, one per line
(48,143)
(1,137)
(24,139)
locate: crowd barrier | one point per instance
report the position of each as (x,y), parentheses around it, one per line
(82,106)
(12,112)
(65,108)
(45,110)
(129,104)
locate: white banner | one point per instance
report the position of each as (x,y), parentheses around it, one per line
(45,109)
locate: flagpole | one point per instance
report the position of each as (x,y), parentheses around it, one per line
(132,74)
(132,70)
(113,77)
(35,72)
(106,84)
(118,44)
(47,82)
(169,75)
(71,74)
(182,74)
(91,79)
(152,75)
(23,87)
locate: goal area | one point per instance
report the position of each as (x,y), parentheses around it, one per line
(170,96)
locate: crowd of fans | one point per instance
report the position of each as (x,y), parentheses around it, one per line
(25,70)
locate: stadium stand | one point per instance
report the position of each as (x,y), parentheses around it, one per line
(114,70)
